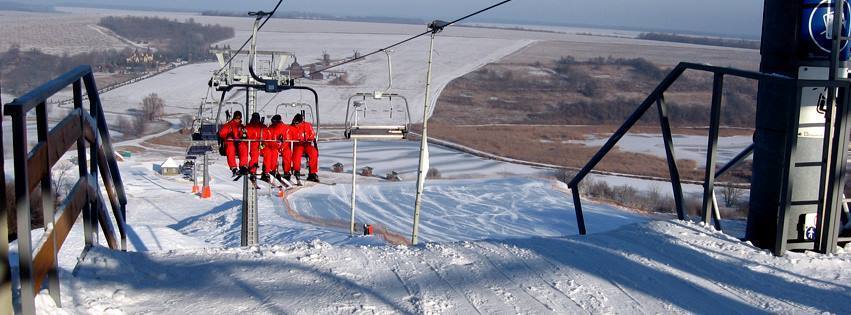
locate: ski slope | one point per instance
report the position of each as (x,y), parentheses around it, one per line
(658,267)
(501,239)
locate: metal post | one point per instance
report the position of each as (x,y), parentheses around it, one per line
(6,306)
(577,204)
(93,170)
(48,204)
(828,231)
(206,172)
(249,235)
(354,182)
(833,168)
(712,148)
(22,208)
(423,146)
(665,124)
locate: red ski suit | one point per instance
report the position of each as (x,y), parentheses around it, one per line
(233,130)
(281,132)
(305,136)
(254,133)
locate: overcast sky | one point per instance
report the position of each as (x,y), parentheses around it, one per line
(734,17)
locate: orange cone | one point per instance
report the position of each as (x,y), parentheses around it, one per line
(195,189)
(281,193)
(206,193)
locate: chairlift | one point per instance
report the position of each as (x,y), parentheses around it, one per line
(289,110)
(379,115)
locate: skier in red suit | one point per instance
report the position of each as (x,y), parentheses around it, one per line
(230,134)
(305,137)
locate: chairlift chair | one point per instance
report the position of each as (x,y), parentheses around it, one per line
(376,116)
(289,110)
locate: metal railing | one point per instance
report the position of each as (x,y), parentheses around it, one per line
(657,97)
(33,168)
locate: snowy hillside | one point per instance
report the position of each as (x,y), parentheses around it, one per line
(504,245)
(659,267)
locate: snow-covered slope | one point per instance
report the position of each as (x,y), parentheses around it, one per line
(659,267)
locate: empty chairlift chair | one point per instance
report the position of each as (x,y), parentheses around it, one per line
(377,116)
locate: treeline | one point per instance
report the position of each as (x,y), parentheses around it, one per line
(23,70)
(26,7)
(739,98)
(326,17)
(709,41)
(188,41)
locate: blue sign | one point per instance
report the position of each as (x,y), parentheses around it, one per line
(817,29)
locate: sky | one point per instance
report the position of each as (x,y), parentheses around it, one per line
(727,17)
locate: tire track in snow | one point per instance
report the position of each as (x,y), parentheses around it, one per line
(501,252)
(502,272)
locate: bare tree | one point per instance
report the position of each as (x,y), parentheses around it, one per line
(731,195)
(132,127)
(61,178)
(153,107)
(186,121)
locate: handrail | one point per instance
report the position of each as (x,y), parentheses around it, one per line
(33,169)
(657,97)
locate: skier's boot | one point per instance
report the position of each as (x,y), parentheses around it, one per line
(313,177)
(243,171)
(287,176)
(297,176)
(265,177)
(235,171)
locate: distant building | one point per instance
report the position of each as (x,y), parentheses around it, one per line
(296,70)
(137,57)
(169,168)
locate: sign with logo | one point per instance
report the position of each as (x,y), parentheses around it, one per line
(817,29)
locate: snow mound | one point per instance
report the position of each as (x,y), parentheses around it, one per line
(655,267)
(463,210)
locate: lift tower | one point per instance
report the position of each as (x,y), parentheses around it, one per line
(801,127)
(271,79)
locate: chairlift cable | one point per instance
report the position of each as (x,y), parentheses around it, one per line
(432,30)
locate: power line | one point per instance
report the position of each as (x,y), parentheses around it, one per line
(250,37)
(433,28)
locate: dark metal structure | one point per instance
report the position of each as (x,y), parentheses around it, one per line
(33,167)
(801,139)
(657,97)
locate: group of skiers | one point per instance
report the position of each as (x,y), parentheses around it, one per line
(290,142)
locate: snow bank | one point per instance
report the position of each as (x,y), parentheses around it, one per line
(657,267)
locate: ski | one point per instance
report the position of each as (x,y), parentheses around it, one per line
(271,183)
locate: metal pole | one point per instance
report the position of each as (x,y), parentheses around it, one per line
(667,136)
(354,182)
(423,146)
(249,235)
(6,304)
(712,148)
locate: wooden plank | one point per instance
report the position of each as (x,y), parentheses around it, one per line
(60,139)
(71,208)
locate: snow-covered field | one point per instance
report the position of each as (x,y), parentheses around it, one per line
(688,147)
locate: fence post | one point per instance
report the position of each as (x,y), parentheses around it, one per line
(48,205)
(22,209)
(81,163)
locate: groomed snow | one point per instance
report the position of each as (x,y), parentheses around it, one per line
(657,267)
